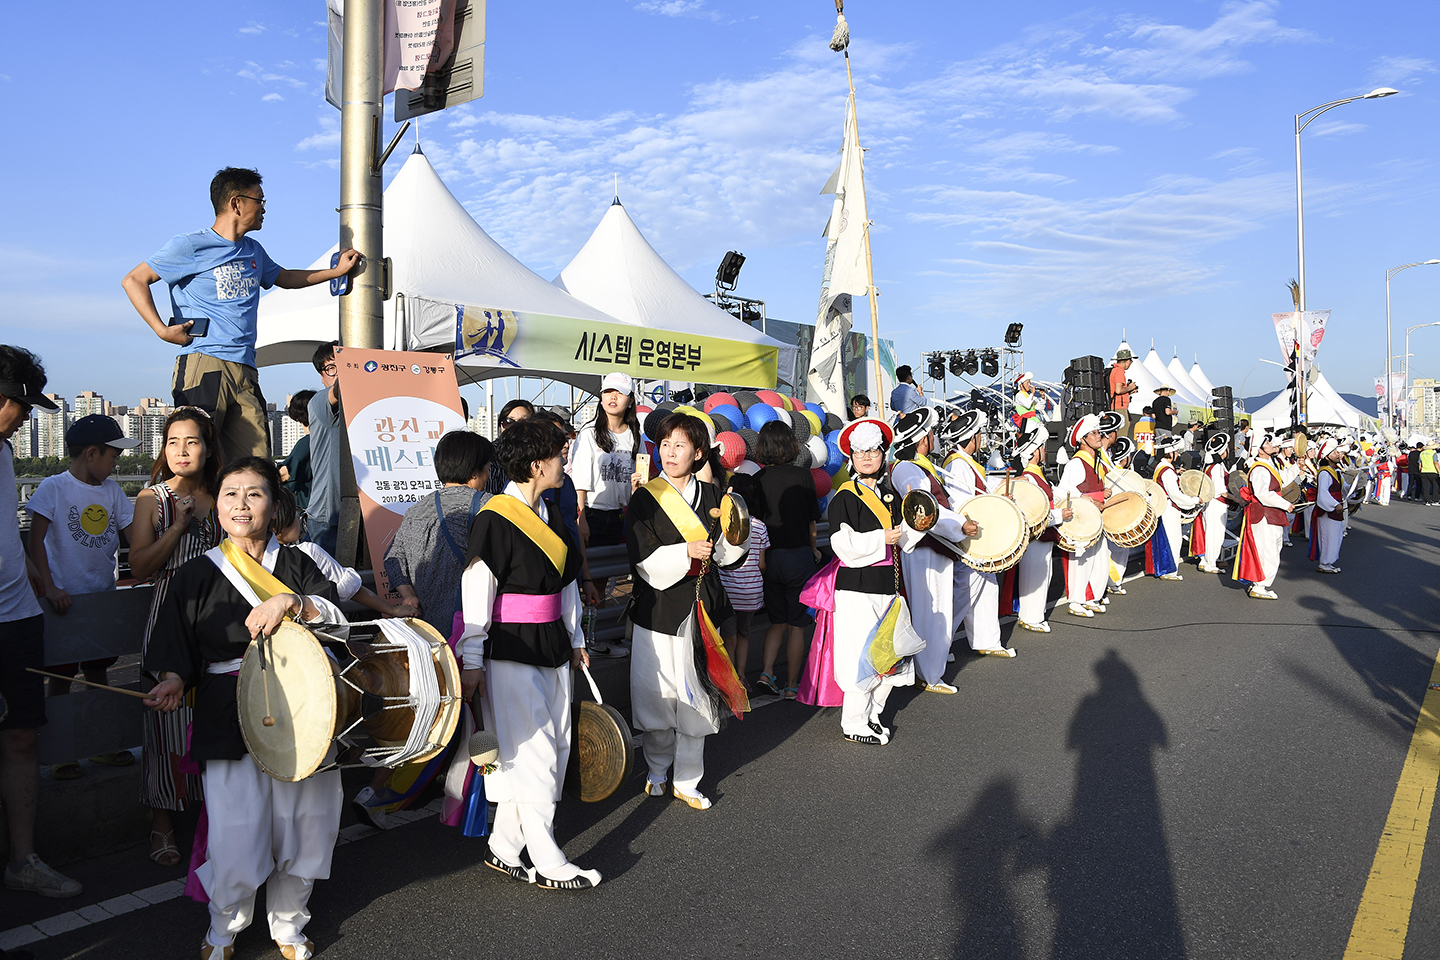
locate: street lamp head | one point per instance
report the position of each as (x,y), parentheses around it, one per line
(1380,92)
(1429,263)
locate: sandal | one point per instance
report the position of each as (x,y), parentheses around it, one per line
(69,770)
(791,693)
(768,684)
(168,855)
(121,758)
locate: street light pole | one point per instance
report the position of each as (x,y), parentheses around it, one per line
(1308,116)
(1389,391)
(361,316)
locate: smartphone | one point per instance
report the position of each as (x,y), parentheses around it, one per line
(199,326)
(642,466)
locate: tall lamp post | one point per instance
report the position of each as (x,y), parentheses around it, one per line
(1389,392)
(1408,331)
(1307,117)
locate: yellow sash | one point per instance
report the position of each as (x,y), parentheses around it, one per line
(677,510)
(1096,463)
(528,521)
(924,463)
(979,470)
(872,500)
(262,581)
(1273,472)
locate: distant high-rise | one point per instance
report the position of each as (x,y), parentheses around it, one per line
(50,427)
(88,402)
(285,433)
(24,439)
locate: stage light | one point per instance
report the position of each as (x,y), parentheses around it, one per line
(957,364)
(972,366)
(729,270)
(1012,334)
(937,367)
(990,364)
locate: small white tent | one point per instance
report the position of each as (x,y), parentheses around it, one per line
(441,257)
(619,272)
(1198,377)
(1322,405)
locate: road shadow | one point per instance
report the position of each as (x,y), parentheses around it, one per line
(1110,878)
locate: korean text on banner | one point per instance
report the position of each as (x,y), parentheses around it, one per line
(529,341)
(419,36)
(397,407)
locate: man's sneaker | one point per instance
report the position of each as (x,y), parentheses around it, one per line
(37,876)
(368,812)
(881,731)
(584,880)
(612,651)
(514,871)
(868,739)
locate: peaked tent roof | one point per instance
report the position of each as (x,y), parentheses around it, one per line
(1200,379)
(1181,378)
(618,271)
(441,256)
(1162,376)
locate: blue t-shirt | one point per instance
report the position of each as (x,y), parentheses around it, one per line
(325,427)
(212,277)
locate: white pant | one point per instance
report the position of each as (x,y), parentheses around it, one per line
(667,748)
(530,826)
(929,580)
(977,602)
(1268,537)
(266,831)
(1214,520)
(1081,569)
(1383,493)
(1115,560)
(859,710)
(1332,535)
(1174,532)
(1032,581)
(855,616)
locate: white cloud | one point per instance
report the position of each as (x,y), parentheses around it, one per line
(1400,72)
(253,29)
(1177,52)
(269,76)
(1333,128)
(326,138)
(271,97)
(678,8)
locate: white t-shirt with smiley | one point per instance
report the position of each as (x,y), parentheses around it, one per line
(84,536)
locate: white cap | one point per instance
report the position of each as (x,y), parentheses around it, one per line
(617,381)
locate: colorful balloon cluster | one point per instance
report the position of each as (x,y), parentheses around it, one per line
(737,418)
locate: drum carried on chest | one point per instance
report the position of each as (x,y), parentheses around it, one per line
(1033,504)
(1003,535)
(1159,499)
(1194,483)
(1128,519)
(400,689)
(1083,529)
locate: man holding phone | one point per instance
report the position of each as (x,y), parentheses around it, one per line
(215,276)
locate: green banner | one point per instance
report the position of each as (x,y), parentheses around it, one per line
(532,341)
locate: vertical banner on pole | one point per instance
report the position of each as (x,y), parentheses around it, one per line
(397,407)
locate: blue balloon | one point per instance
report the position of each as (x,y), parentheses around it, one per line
(730,412)
(818,410)
(760,414)
(833,437)
(836,460)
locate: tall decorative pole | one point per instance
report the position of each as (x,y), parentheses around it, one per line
(361,311)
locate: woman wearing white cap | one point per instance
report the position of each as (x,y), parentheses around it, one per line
(603,466)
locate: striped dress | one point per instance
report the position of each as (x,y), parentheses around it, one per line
(164,784)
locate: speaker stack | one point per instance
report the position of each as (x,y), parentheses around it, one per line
(1222,401)
(1087,389)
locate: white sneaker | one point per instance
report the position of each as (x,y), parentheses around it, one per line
(1097,607)
(1005,652)
(1079,610)
(1328,568)
(368,812)
(37,876)
(1171,576)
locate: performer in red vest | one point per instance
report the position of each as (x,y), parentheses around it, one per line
(1266,515)
(1036,566)
(1330,506)
(1082,477)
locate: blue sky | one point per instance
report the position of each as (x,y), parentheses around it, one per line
(1080,169)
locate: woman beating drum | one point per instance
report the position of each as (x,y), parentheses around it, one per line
(1207,535)
(521,640)
(260,830)
(1033,577)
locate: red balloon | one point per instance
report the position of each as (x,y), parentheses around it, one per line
(822,482)
(772,398)
(716,399)
(732,449)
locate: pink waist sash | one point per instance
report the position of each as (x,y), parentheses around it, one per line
(526,608)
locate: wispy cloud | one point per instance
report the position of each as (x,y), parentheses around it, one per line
(1186,53)
(271,97)
(678,8)
(278,74)
(1401,72)
(253,29)
(1333,128)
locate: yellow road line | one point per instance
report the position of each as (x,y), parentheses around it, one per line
(1383,918)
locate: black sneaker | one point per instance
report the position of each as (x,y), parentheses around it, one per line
(865,738)
(584,880)
(520,873)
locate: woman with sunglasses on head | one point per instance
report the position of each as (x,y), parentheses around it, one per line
(604,466)
(513,412)
(175,522)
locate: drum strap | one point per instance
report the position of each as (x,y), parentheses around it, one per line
(475,505)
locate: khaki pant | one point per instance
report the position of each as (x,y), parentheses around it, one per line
(230,393)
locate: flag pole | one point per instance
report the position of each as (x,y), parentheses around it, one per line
(869,264)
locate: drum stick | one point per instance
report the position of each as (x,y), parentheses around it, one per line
(90,683)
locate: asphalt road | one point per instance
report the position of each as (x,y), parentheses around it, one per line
(1194,774)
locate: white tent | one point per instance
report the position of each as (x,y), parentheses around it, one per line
(619,272)
(1322,405)
(1180,378)
(1198,377)
(441,257)
(1162,375)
